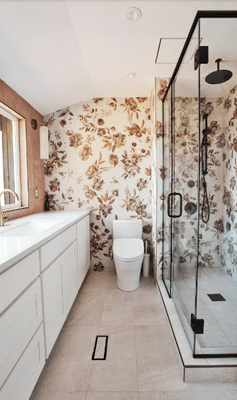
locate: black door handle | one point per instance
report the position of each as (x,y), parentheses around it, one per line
(169,208)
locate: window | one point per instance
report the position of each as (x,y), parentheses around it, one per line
(9,159)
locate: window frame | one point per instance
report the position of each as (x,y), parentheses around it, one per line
(16,158)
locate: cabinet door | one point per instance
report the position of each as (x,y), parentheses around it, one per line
(83,246)
(14,281)
(51,250)
(17,326)
(69,276)
(21,381)
(54,314)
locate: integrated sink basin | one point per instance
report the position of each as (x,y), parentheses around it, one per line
(30,228)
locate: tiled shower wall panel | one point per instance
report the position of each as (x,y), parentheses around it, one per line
(227,141)
(218,245)
(35,166)
(160,89)
(101,159)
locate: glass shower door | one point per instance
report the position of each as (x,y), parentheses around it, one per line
(185,182)
(217,273)
(200,168)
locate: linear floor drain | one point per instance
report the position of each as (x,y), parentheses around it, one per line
(216,297)
(100,348)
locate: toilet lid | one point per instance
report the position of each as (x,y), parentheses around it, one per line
(128,249)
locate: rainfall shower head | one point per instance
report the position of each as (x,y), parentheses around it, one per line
(219,76)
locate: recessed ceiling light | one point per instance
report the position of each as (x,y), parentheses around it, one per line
(131,75)
(133,14)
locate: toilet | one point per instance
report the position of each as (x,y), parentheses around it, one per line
(128,253)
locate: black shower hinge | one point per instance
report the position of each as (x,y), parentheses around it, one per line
(197,325)
(201,56)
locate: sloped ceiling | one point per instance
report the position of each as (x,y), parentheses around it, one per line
(58,53)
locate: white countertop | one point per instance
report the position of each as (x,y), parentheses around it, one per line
(22,236)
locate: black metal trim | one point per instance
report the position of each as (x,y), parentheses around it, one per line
(105,351)
(158,51)
(227,355)
(163,201)
(200,14)
(197,325)
(198,199)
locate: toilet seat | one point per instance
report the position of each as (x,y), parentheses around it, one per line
(128,249)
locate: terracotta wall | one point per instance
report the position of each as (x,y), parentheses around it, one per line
(101,158)
(35,165)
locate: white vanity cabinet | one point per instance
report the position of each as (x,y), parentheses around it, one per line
(69,277)
(59,287)
(83,248)
(36,295)
(52,303)
(21,329)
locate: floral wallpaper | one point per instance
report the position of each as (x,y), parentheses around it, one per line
(217,238)
(101,158)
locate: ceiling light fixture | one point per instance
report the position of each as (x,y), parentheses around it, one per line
(133,14)
(44,139)
(131,75)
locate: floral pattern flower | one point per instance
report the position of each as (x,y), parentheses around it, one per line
(114,141)
(75,139)
(113,159)
(85,152)
(98,183)
(142,184)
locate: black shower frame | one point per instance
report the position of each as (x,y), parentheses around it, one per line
(199,15)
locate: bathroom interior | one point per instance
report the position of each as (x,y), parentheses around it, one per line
(102,183)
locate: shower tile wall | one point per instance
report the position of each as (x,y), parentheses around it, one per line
(228,143)
(186,161)
(102,159)
(218,244)
(160,89)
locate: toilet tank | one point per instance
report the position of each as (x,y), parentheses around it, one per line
(124,228)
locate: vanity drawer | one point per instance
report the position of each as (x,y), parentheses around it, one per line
(17,326)
(26,372)
(16,279)
(56,246)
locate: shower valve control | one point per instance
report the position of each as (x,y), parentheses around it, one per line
(201,56)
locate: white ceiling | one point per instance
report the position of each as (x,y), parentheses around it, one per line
(58,53)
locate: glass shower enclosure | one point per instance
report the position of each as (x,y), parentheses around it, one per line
(199,227)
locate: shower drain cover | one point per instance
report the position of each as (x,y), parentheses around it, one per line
(100,349)
(216,297)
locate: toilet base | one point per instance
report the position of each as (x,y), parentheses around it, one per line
(128,274)
(128,288)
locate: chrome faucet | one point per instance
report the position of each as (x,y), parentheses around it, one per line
(1,210)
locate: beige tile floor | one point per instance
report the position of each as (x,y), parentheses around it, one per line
(142,361)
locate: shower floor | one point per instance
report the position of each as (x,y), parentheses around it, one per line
(220,317)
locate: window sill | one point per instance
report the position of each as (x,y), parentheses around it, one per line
(14,209)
